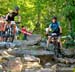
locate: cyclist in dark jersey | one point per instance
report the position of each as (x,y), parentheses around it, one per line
(11,17)
(54,27)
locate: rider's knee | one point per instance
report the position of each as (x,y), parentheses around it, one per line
(49,37)
(59,39)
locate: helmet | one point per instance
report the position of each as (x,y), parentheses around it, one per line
(54,18)
(16,8)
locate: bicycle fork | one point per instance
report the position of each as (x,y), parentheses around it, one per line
(57,49)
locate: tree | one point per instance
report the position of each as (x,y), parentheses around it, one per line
(37,14)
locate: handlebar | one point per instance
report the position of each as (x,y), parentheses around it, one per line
(56,34)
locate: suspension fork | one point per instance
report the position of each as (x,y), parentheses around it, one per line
(57,49)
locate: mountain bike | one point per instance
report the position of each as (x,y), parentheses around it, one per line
(56,44)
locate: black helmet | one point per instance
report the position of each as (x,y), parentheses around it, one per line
(16,8)
(54,18)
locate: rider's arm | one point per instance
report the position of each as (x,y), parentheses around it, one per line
(60,27)
(7,16)
(5,25)
(49,29)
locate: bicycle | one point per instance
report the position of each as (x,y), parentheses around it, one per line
(56,44)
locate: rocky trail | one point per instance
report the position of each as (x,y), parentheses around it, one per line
(31,56)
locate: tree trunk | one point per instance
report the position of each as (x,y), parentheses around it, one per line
(69,23)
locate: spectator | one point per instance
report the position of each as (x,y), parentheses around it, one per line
(25,35)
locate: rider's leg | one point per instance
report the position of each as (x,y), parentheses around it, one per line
(6,38)
(12,38)
(48,41)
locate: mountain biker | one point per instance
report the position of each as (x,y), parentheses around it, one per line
(54,27)
(11,17)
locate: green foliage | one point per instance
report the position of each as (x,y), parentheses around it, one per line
(37,14)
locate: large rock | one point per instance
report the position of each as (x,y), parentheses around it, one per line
(56,68)
(63,65)
(31,62)
(72,66)
(32,65)
(50,70)
(65,60)
(4,56)
(13,65)
(4,45)
(18,43)
(47,65)
(43,44)
(10,45)
(29,58)
(39,70)
(32,40)
(45,70)
(19,52)
(65,70)
(68,52)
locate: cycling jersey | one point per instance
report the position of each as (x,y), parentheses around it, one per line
(11,16)
(55,27)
